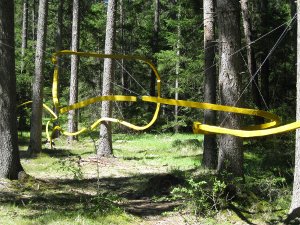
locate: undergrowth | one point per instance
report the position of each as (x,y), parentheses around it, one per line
(68,189)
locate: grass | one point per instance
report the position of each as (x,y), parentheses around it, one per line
(156,150)
(66,187)
(62,191)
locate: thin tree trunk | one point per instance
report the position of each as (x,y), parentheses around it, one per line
(58,48)
(210,153)
(265,70)
(33,22)
(105,145)
(24,32)
(295,205)
(155,44)
(124,75)
(293,34)
(294,28)
(10,164)
(250,53)
(177,72)
(230,147)
(22,114)
(35,145)
(73,114)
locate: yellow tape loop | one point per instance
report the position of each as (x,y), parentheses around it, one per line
(264,129)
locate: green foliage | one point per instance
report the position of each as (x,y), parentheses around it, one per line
(202,197)
(71,165)
(103,204)
(267,187)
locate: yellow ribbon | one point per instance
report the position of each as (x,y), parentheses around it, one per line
(264,129)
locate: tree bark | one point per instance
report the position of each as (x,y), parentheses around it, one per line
(35,145)
(105,145)
(210,153)
(124,75)
(24,32)
(177,69)
(33,22)
(265,70)
(295,205)
(155,44)
(58,48)
(230,147)
(250,53)
(10,164)
(73,114)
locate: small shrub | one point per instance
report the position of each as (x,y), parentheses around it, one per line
(102,204)
(202,197)
(70,165)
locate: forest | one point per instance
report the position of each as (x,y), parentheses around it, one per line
(149,112)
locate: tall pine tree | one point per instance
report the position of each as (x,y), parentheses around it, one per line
(10,164)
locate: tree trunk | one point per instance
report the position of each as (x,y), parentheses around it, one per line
(177,69)
(33,22)
(105,145)
(10,164)
(230,147)
(73,114)
(210,153)
(58,48)
(250,53)
(293,34)
(35,145)
(265,80)
(24,32)
(124,75)
(295,205)
(155,44)
(265,70)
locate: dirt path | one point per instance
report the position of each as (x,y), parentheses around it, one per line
(138,185)
(143,189)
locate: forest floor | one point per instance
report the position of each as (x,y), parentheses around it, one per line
(70,185)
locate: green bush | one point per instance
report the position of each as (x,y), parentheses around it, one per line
(202,197)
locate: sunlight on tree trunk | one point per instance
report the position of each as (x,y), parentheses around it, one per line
(154,44)
(295,205)
(24,32)
(177,69)
(35,145)
(105,145)
(230,147)
(73,114)
(210,153)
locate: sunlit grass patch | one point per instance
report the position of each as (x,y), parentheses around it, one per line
(25,215)
(161,150)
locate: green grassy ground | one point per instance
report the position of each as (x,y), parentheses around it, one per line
(67,186)
(60,190)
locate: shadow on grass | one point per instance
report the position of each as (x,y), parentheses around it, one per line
(194,157)
(72,197)
(61,206)
(57,153)
(143,157)
(240,214)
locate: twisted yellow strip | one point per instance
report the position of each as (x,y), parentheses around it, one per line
(249,131)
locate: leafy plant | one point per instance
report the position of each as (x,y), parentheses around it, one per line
(103,204)
(202,197)
(71,165)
